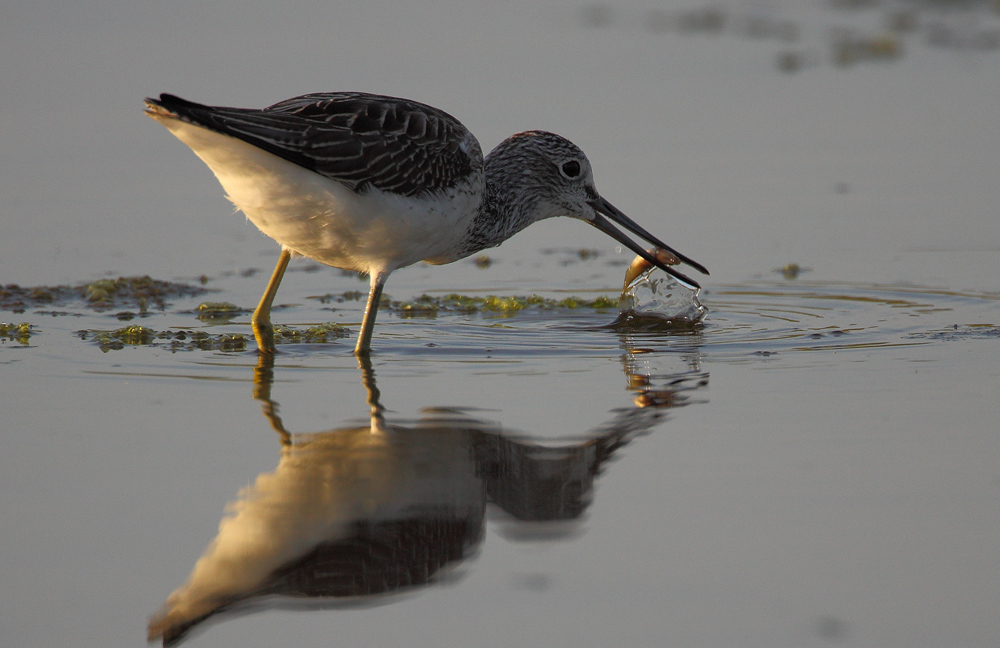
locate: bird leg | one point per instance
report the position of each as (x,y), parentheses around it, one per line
(263,331)
(364,345)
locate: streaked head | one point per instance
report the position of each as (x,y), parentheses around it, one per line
(556,176)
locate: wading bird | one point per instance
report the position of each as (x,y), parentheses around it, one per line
(370,184)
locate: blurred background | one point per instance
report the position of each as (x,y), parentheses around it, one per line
(854,137)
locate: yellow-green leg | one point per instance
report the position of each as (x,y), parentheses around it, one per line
(364,345)
(261,319)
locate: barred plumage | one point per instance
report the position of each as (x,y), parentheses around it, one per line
(360,140)
(372,183)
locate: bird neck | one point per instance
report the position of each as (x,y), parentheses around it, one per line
(509,202)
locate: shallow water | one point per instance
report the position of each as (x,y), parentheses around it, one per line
(815,464)
(830,440)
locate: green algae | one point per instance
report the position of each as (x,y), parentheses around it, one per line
(99,295)
(217,307)
(319,334)
(20,333)
(428,305)
(218,311)
(340,298)
(173,340)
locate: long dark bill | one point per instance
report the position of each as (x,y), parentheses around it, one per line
(603,208)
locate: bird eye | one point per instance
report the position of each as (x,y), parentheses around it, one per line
(570,169)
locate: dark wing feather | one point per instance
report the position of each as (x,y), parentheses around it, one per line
(360,140)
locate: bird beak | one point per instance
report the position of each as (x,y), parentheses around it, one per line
(605,213)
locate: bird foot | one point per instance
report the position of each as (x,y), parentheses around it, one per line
(263,332)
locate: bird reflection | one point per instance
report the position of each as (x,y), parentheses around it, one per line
(356,514)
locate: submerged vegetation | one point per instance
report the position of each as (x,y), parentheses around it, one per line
(179,340)
(423,306)
(126,298)
(129,297)
(428,305)
(16,332)
(101,295)
(216,312)
(319,334)
(188,340)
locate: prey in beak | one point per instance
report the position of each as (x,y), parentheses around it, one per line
(607,215)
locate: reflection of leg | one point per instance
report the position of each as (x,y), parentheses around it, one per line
(371,310)
(263,378)
(368,380)
(261,320)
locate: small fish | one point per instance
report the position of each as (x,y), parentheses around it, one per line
(641,265)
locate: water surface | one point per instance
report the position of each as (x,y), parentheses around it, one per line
(816,464)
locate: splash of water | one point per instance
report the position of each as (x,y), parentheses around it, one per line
(655,301)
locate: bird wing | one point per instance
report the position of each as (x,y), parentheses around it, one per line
(361,140)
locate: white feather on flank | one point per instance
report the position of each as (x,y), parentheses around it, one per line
(324,220)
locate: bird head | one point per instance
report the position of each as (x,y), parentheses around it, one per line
(557,179)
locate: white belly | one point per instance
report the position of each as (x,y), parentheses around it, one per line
(326,221)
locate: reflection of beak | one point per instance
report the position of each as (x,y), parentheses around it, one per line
(602,208)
